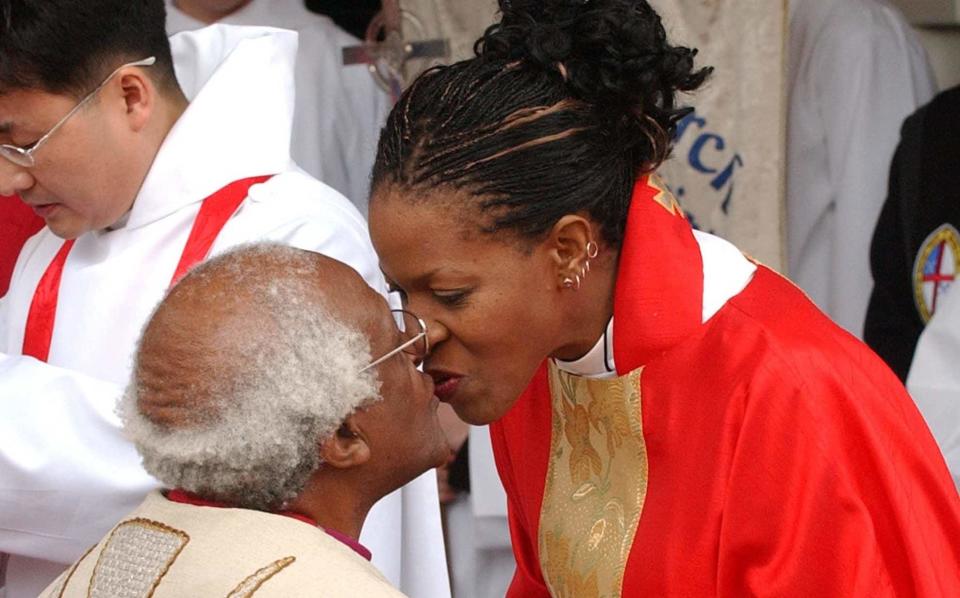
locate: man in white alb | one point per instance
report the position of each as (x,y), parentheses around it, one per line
(139,174)
(339,109)
(856,71)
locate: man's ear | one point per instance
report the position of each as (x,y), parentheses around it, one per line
(346,448)
(140,96)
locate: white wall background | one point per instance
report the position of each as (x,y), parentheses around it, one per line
(938,23)
(943,46)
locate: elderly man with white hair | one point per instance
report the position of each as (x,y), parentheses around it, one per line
(277,398)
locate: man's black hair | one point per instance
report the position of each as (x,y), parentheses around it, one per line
(69,46)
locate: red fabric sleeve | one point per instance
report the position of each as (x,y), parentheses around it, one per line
(17,224)
(834,493)
(521,447)
(527,579)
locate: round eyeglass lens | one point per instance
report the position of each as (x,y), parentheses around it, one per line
(16,155)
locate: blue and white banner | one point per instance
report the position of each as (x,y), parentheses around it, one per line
(727,168)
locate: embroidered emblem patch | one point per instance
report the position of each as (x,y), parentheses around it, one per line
(935,269)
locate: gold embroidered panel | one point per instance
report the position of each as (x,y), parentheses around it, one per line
(596,484)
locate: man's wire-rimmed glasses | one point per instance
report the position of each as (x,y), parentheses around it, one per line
(24,156)
(413,332)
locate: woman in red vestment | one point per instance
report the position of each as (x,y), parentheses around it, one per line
(668,417)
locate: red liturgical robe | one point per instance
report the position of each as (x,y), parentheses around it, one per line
(763,451)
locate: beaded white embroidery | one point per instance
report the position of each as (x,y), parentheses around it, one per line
(136,557)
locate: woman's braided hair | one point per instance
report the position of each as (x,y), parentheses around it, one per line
(565,104)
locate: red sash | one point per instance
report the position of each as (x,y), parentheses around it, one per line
(214,213)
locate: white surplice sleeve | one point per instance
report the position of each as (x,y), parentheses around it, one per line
(934,380)
(65,469)
(296,210)
(869,76)
(66,472)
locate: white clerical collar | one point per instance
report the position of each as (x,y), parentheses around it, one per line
(725,274)
(598,362)
(219,138)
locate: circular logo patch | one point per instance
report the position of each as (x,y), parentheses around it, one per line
(935,269)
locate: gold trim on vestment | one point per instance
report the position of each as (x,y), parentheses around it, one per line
(596,484)
(249,586)
(57,591)
(665,197)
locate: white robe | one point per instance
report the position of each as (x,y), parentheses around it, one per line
(66,474)
(856,71)
(339,110)
(934,380)
(478,532)
(172,550)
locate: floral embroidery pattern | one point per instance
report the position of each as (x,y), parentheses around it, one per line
(606,416)
(584,459)
(596,484)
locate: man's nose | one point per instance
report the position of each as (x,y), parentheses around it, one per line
(14,179)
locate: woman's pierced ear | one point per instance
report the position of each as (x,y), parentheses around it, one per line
(593,250)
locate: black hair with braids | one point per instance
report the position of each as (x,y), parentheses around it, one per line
(565,104)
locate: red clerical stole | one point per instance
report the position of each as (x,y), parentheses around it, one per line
(214,213)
